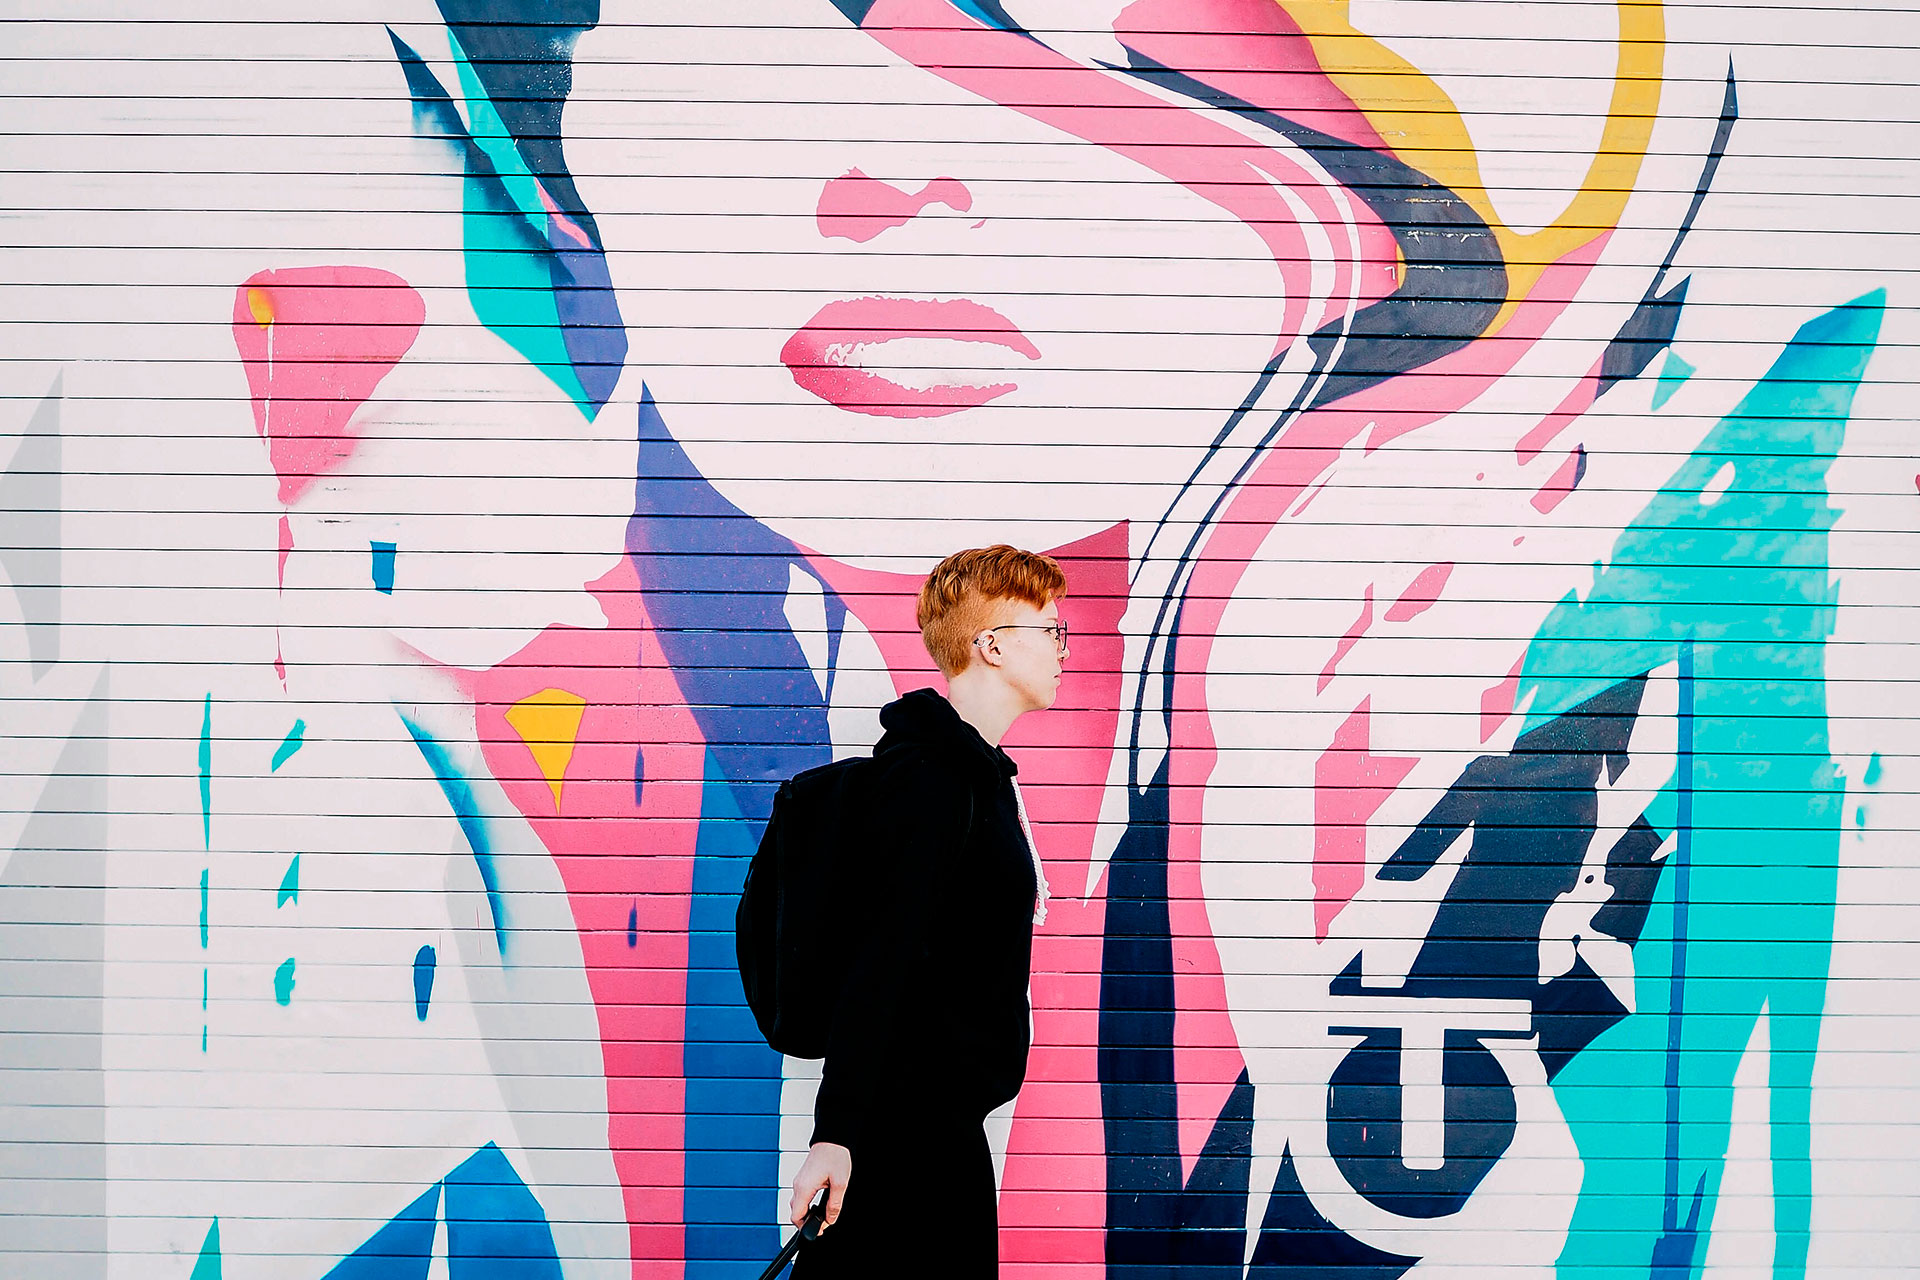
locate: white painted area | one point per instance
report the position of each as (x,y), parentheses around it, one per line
(1741,1246)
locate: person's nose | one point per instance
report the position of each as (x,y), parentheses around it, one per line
(858,208)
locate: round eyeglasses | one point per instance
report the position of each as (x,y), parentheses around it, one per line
(1058,630)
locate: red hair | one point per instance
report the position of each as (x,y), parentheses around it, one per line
(957,599)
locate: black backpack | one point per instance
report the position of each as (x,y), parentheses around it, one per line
(791,931)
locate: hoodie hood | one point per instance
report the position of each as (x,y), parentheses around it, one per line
(925,719)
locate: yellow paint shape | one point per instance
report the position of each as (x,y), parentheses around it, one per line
(260,304)
(549,723)
(1416,118)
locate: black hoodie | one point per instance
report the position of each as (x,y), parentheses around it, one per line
(932,1016)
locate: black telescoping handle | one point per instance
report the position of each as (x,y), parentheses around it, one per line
(809,1228)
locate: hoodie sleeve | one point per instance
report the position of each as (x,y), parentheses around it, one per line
(919,817)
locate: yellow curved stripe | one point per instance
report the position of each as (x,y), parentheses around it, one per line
(1423,127)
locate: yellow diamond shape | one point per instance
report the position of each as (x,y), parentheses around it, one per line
(549,723)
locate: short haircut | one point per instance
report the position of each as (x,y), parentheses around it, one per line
(957,599)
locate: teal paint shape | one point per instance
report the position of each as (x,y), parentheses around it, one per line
(1745,578)
(1672,374)
(206,877)
(473,824)
(295,739)
(206,774)
(283,982)
(508,255)
(1872,776)
(207,1266)
(289,885)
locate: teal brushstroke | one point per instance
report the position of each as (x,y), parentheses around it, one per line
(206,774)
(1672,374)
(283,982)
(1746,577)
(206,876)
(473,825)
(289,884)
(295,739)
(508,254)
(1872,776)
(207,1267)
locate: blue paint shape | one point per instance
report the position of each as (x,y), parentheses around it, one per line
(639,777)
(1872,776)
(205,875)
(207,1266)
(732,1079)
(466,810)
(206,774)
(424,961)
(496,1229)
(1672,374)
(633,925)
(283,983)
(295,739)
(400,1250)
(383,554)
(289,884)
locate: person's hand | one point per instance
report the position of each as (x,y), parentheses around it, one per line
(829,1165)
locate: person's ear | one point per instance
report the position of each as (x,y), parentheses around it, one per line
(989,646)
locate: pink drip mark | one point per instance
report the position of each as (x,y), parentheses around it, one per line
(315,342)
(1347,641)
(1421,593)
(1349,786)
(280,585)
(1578,401)
(858,208)
(1564,481)
(1496,704)
(286,547)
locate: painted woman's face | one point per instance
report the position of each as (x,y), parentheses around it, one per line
(888,315)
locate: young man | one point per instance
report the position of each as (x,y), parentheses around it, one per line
(932,1026)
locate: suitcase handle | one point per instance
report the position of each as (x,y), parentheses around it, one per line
(809,1228)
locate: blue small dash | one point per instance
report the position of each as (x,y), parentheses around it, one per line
(383,554)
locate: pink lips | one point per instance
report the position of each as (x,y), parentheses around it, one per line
(819,354)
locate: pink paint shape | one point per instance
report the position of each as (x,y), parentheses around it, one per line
(1345,644)
(286,549)
(1421,593)
(1563,482)
(618,853)
(315,342)
(1177,142)
(1496,704)
(1578,401)
(858,208)
(1349,786)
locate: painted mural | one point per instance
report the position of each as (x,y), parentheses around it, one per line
(462,455)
